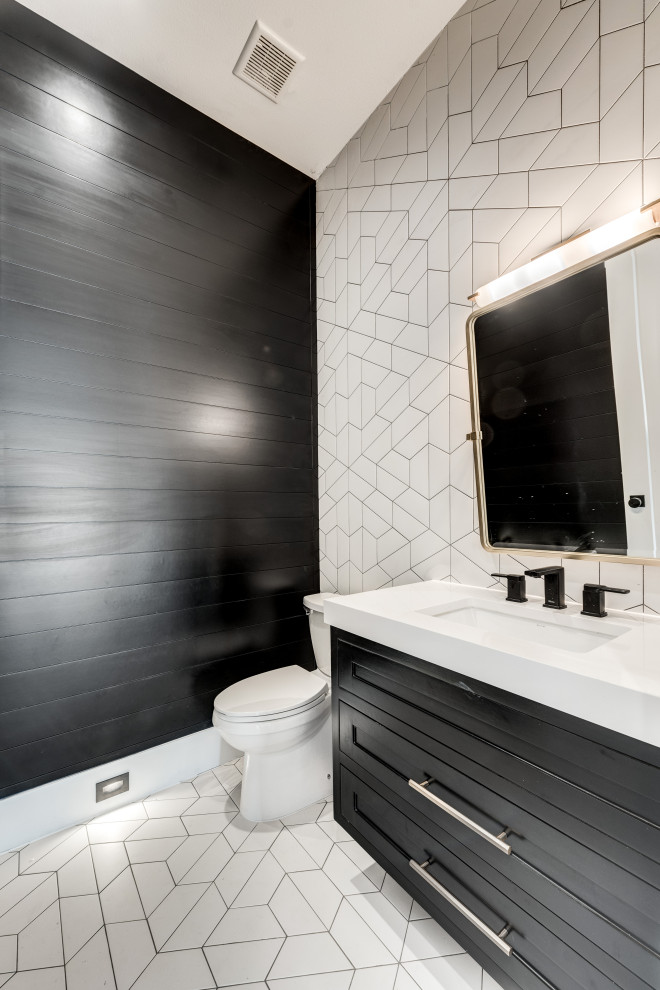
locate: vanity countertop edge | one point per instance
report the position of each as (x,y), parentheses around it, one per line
(616,685)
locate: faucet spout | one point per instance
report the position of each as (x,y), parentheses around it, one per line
(553,584)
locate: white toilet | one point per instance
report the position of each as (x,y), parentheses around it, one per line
(281,721)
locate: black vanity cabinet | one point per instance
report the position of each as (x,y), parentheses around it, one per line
(531,836)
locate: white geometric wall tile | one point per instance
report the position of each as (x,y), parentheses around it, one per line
(437,110)
(508,190)
(546,238)
(461,514)
(411,345)
(577,145)
(518,17)
(485,263)
(621,61)
(503,98)
(409,266)
(651,180)
(374,134)
(570,36)
(437,65)
(413,169)
(621,129)
(438,470)
(460,87)
(479,160)
(427,544)
(413,442)
(488,18)
(625,196)
(624,576)
(484,67)
(523,232)
(491,225)
(537,113)
(651,117)
(407,96)
(404,194)
(521,152)
(553,187)
(458,316)
(652,38)
(428,209)
(438,154)
(460,278)
(540,142)
(651,590)
(439,336)
(536,28)
(461,469)
(459,37)
(464,194)
(465,570)
(418,302)
(460,137)
(615,15)
(417,137)
(397,563)
(406,524)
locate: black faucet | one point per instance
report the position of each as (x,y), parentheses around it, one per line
(553,578)
(515,587)
(593,599)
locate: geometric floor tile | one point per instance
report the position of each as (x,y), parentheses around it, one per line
(287,905)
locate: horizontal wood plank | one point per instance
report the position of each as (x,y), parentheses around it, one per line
(20,578)
(158,513)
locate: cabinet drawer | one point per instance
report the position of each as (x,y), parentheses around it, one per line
(609,782)
(584,890)
(538,958)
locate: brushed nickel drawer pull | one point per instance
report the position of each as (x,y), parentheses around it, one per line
(495,840)
(497,938)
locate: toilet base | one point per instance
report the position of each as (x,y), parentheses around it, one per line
(279,780)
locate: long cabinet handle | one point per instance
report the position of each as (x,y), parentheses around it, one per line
(495,840)
(497,938)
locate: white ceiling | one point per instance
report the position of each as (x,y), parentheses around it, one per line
(356,51)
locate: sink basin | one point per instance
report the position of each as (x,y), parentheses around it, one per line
(557,630)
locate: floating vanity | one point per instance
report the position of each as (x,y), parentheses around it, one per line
(502,762)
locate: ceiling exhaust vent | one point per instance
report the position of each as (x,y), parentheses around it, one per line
(266,62)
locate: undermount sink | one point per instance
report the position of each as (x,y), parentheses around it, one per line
(556,630)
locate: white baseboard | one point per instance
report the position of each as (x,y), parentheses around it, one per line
(70,800)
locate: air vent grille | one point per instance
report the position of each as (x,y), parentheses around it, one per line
(266,62)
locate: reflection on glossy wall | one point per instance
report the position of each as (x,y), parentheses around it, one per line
(523,124)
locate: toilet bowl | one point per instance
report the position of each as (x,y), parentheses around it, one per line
(280,721)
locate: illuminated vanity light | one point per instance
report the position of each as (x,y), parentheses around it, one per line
(571,253)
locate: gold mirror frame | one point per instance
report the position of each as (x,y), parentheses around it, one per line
(476,436)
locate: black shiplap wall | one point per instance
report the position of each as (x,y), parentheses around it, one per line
(157,401)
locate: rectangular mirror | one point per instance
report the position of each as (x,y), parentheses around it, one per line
(565,387)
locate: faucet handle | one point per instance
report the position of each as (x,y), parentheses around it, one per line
(593,599)
(515,587)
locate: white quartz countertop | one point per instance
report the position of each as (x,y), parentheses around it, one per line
(616,684)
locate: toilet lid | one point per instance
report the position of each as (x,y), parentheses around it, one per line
(316,602)
(286,689)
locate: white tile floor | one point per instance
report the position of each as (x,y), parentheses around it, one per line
(179,892)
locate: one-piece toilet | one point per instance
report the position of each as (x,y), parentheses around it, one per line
(281,721)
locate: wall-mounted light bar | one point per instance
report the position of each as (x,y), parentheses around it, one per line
(573,252)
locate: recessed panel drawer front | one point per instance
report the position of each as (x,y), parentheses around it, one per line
(612,791)
(538,959)
(467,801)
